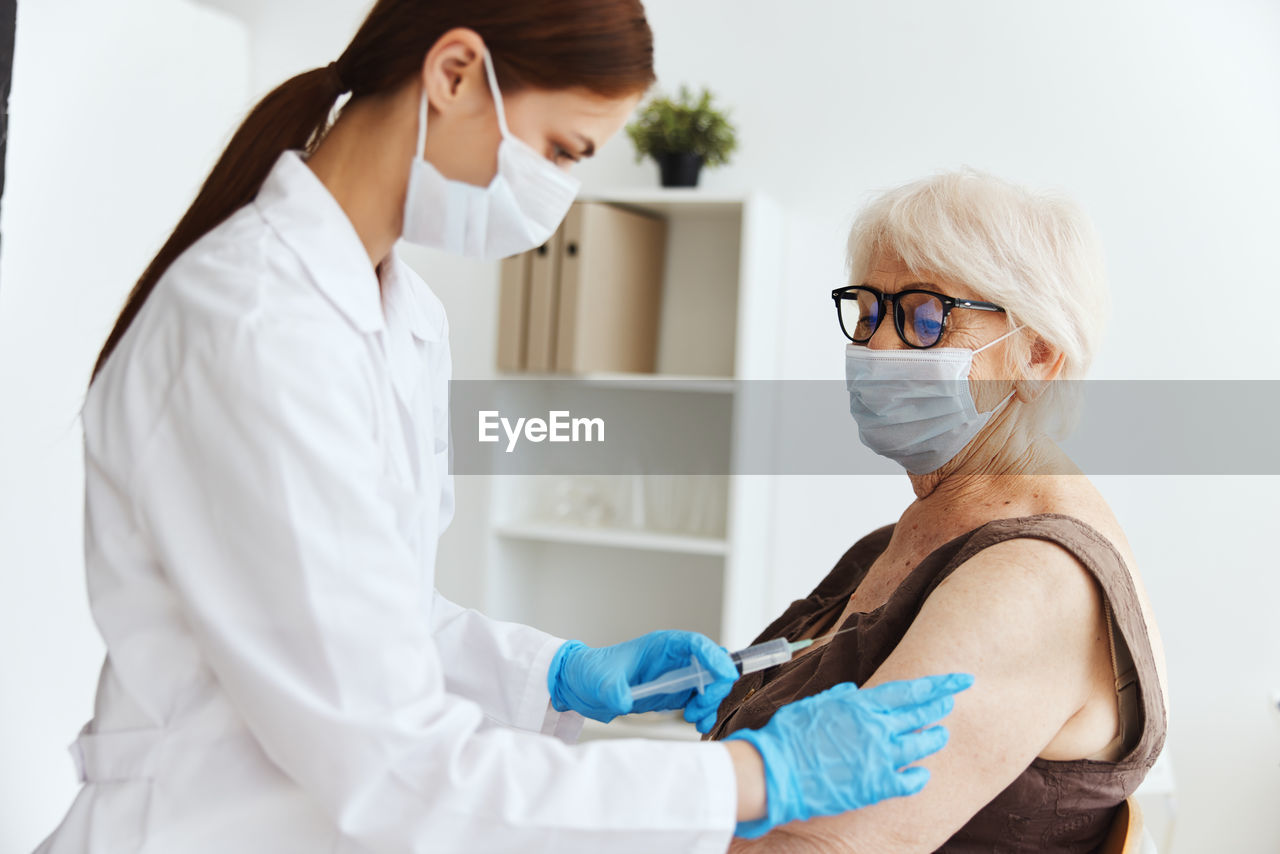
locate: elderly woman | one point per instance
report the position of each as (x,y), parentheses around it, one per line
(970,299)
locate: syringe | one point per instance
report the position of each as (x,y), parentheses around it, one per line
(749,660)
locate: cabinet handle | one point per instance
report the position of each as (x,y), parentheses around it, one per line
(572,249)
(542,250)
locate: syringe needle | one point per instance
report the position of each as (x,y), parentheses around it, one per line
(832,634)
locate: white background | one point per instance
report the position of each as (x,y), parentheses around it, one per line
(1161,118)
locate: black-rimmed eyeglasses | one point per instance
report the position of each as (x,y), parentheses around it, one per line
(919,315)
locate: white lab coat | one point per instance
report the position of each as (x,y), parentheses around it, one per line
(266,463)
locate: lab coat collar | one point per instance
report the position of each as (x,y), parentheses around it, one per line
(311,222)
(406,295)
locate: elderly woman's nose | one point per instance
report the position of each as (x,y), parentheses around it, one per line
(886,337)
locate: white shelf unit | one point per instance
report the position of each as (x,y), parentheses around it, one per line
(615,537)
(607,582)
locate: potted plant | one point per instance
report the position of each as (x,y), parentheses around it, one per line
(683,135)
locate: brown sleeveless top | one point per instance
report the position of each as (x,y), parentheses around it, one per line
(1056,806)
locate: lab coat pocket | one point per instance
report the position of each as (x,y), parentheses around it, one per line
(435,394)
(440,425)
(440,444)
(442,466)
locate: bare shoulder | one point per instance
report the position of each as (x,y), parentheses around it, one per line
(1023,576)
(1080,499)
(1029,613)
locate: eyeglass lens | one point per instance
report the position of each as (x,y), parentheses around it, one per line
(919,316)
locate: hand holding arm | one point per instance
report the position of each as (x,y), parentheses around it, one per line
(847,748)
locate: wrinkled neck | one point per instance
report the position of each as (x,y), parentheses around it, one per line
(1004,449)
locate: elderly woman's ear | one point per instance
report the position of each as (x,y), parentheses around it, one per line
(1044,364)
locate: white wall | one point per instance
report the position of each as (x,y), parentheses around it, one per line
(1162,118)
(116,113)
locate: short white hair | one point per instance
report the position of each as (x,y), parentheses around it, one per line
(1034,253)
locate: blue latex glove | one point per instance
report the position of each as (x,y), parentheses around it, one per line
(842,749)
(597,682)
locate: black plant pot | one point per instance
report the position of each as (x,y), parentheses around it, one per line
(679,169)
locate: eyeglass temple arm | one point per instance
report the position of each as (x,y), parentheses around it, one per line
(978,306)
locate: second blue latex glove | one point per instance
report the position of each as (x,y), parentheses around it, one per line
(596,682)
(847,748)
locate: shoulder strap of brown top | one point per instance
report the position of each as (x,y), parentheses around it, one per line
(1100,557)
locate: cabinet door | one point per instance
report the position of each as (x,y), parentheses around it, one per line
(611,270)
(513,312)
(544,300)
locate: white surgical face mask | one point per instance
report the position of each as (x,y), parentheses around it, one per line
(915,406)
(520,209)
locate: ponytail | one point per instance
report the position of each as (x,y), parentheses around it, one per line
(293,115)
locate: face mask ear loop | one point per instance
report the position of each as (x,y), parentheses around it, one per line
(998,340)
(497,94)
(1011,394)
(422,126)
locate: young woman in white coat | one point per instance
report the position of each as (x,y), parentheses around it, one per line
(266,480)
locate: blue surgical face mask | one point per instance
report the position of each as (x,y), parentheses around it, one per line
(915,406)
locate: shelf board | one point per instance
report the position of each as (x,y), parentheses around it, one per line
(661,382)
(697,383)
(670,201)
(660,725)
(619,538)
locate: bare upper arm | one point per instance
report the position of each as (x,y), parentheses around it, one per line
(1022,617)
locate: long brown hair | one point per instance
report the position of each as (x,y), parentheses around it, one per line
(604,46)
